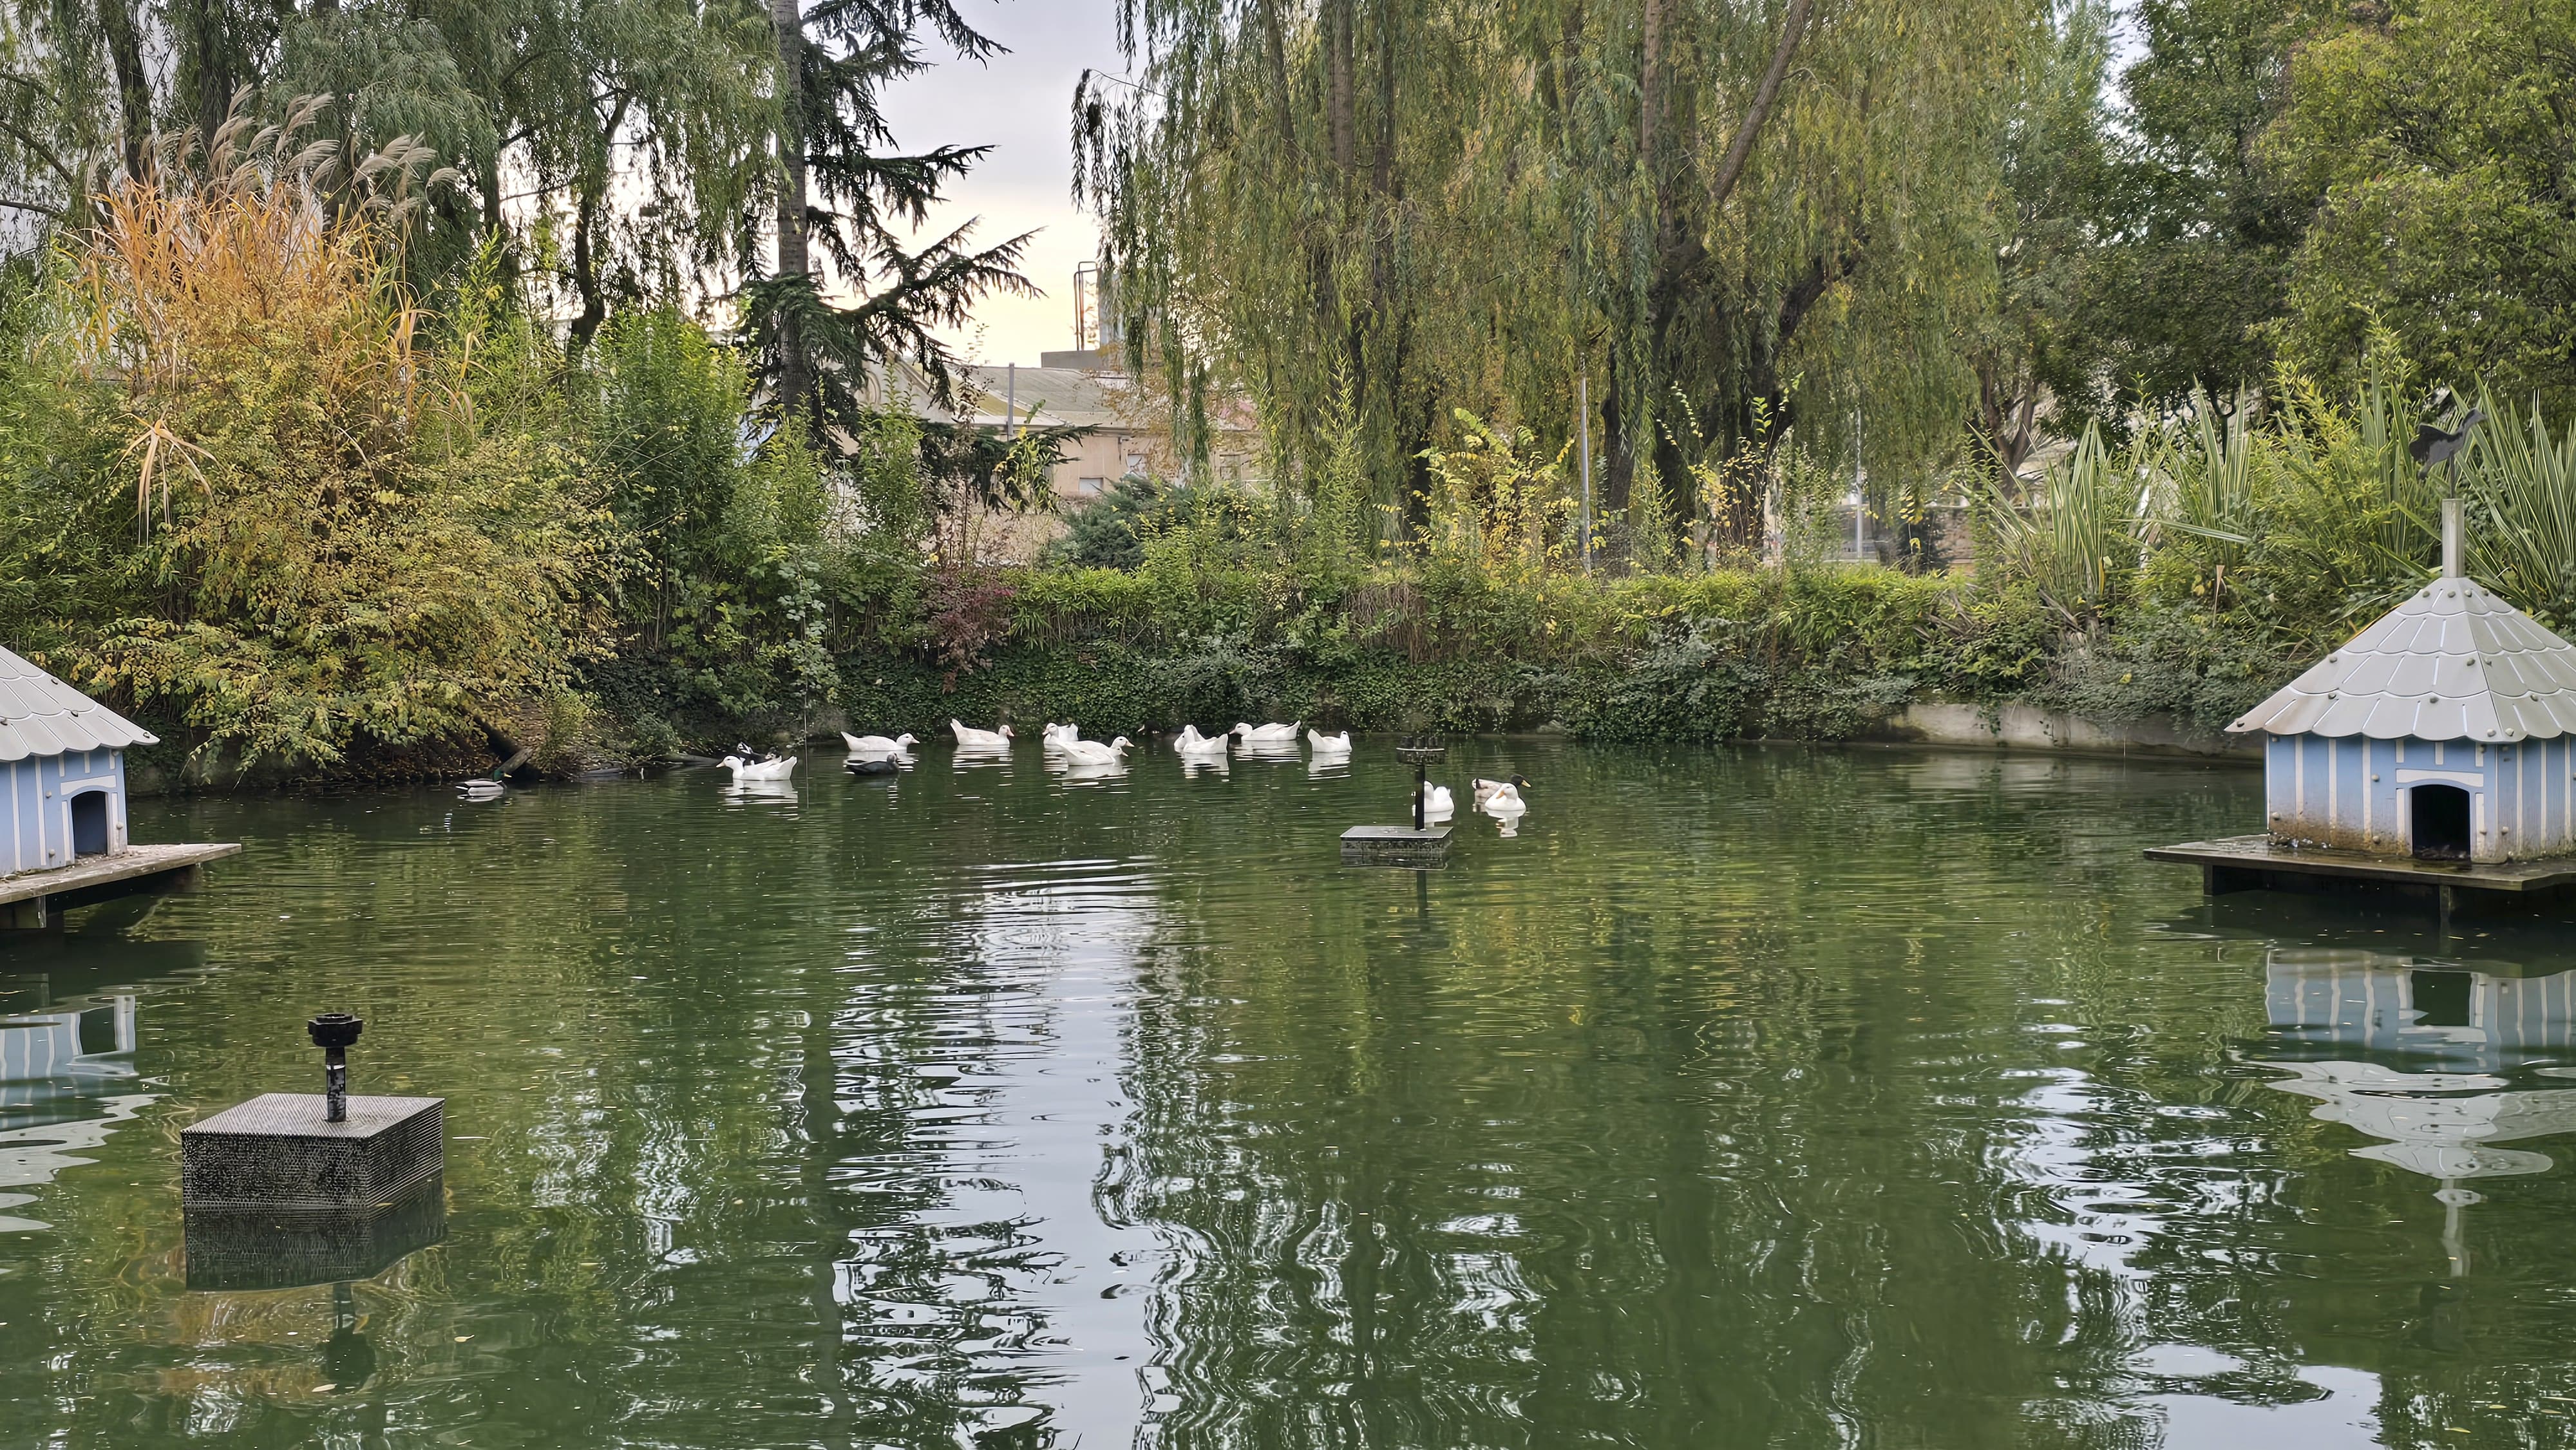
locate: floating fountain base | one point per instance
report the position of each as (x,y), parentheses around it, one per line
(279,1153)
(1395,846)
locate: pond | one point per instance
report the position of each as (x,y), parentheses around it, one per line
(1748,1097)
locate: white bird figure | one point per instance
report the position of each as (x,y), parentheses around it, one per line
(1191,742)
(1092,752)
(774,768)
(480,790)
(1437,803)
(877,744)
(1500,795)
(1329,744)
(971,738)
(1267,734)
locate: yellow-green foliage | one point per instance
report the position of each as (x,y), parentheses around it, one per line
(270,507)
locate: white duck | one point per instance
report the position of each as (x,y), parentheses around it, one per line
(1267,734)
(1329,744)
(1055,736)
(777,767)
(970,738)
(878,744)
(1191,742)
(1500,795)
(1092,752)
(1437,804)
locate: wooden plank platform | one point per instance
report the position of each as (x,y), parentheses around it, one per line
(36,898)
(2235,863)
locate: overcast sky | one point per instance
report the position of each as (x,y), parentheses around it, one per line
(1021,104)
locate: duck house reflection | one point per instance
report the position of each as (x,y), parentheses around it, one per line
(2414,1052)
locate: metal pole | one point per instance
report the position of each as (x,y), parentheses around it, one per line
(1583,426)
(1011,402)
(333,1032)
(335,1085)
(1421,781)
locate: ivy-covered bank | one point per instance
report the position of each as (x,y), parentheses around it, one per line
(1823,653)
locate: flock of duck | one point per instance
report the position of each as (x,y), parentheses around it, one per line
(1077,757)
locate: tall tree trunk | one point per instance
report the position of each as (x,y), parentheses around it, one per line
(795,255)
(590,194)
(1274,39)
(1337,46)
(215,79)
(133,83)
(1731,167)
(1382,168)
(1654,83)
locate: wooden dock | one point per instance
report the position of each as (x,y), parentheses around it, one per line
(37,899)
(2258,863)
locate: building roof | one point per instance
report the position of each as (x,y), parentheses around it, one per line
(2453,662)
(40,715)
(993,395)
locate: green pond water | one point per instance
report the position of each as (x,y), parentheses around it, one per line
(1758,1097)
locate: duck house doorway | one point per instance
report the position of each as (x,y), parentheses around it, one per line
(2440,815)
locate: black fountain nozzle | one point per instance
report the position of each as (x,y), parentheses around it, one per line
(1421,752)
(335,1033)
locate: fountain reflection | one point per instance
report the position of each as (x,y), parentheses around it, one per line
(238,1250)
(2413,1051)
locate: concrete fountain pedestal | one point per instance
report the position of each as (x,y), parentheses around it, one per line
(294,1188)
(1418,845)
(280,1152)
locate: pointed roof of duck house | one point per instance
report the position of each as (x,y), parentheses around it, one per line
(40,715)
(2453,662)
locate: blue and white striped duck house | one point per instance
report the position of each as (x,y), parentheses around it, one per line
(2445,731)
(62,771)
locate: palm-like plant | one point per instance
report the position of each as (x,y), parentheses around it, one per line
(2078,537)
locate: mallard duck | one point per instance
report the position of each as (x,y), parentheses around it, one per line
(775,767)
(480,790)
(970,738)
(1499,794)
(1329,744)
(877,744)
(1267,734)
(1092,752)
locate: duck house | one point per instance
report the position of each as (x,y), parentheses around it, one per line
(62,757)
(62,803)
(2441,737)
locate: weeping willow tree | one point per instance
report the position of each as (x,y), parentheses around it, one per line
(1751,216)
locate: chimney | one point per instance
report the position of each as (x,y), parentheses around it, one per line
(2451,538)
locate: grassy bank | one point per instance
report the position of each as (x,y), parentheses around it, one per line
(1819,653)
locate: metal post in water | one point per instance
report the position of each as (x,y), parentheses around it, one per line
(1583,425)
(334,1033)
